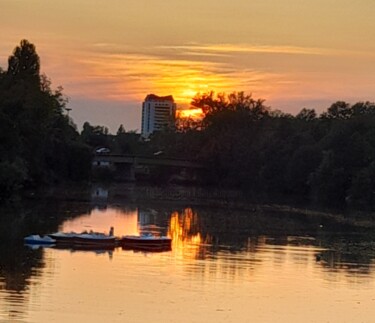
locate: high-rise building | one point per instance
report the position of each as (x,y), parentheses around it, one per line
(158,112)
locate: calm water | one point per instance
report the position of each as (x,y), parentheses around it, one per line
(225,266)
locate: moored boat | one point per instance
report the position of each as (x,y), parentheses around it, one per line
(36,239)
(85,238)
(64,237)
(146,242)
(94,239)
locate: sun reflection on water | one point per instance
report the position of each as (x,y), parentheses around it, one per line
(187,241)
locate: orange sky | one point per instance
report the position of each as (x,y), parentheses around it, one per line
(109,55)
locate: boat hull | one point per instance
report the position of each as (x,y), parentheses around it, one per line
(93,240)
(84,240)
(146,243)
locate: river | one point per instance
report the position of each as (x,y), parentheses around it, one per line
(226,265)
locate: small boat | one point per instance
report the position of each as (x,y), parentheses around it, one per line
(63,237)
(94,239)
(36,239)
(85,238)
(146,242)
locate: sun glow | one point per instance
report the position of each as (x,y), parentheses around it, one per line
(195,114)
(108,73)
(131,77)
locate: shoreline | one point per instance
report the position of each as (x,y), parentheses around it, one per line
(115,195)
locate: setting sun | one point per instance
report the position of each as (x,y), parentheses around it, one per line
(108,58)
(195,113)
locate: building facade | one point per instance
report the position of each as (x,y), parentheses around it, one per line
(158,112)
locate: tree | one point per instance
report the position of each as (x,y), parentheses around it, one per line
(329,181)
(237,105)
(300,166)
(208,103)
(306,114)
(338,110)
(94,136)
(37,138)
(12,177)
(362,190)
(24,63)
(363,108)
(121,130)
(235,101)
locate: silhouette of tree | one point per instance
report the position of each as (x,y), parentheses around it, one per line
(121,130)
(338,110)
(306,114)
(24,62)
(95,136)
(363,108)
(40,143)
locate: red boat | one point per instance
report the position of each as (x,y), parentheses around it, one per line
(146,242)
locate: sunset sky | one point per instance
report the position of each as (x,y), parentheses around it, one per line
(108,55)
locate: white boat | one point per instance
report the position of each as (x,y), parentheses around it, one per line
(63,237)
(38,240)
(97,239)
(84,238)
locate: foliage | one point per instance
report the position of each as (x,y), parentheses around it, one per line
(38,141)
(327,159)
(306,114)
(24,63)
(121,130)
(94,136)
(12,177)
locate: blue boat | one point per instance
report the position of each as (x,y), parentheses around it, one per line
(38,240)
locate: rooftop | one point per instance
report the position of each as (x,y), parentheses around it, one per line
(153,97)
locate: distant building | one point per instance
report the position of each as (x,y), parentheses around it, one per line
(158,112)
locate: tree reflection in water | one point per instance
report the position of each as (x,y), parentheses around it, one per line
(201,233)
(17,262)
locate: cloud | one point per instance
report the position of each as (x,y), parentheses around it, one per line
(109,71)
(287,77)
(115,72)
(214,49)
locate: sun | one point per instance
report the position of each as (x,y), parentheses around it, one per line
(184,92)
(195,113)
(188,93)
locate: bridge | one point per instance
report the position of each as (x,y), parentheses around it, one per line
(128,167)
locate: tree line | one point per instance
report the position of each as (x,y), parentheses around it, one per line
(327,159)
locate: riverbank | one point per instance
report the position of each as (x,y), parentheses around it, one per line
(105,195)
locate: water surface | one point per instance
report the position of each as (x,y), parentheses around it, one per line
(224,266)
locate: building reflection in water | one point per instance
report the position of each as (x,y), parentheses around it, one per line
(148,222)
